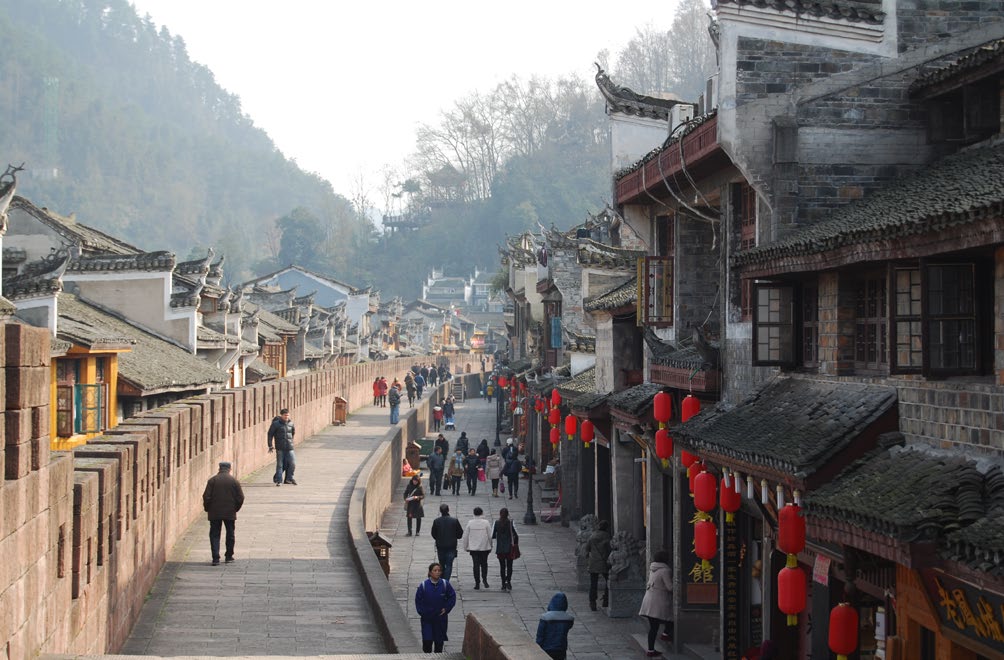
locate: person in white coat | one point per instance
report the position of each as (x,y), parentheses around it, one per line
(478,542)
(657,605)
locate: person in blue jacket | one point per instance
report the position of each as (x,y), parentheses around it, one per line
(552,631)
(434,599)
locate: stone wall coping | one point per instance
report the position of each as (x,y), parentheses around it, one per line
(495,636)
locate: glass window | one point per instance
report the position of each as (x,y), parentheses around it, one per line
(773,325)
(870,337)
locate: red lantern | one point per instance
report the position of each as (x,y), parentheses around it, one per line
(554,417)
(555,435)
(587,433)
(663,446)
(662,408)
(705,542)
(730,501)
(843,630)
(687,459)
(791,592)
(691,406)
(692,472)
(791,532)
(570,423)
(555,398)
(522,386)
(705,492)
(503,381)
(538,405)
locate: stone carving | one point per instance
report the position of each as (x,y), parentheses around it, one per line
(587,524)
(626,557)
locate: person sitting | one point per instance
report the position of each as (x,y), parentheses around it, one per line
(407,470)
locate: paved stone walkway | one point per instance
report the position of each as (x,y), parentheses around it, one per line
(293,589)
(547,563)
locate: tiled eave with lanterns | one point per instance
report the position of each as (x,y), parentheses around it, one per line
(954,204)
(633,406)
(795,431)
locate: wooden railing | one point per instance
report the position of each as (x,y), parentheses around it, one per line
(698,144)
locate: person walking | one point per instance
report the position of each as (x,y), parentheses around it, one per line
(471,465)
(456,471)
(449,416)
(463,444)
(657,604)
(509,450)
(376,391)
(437,464)
(512,470)
(281,433)
(493,470)
(478,542)
(431,378)
(383,392)
(597,561)
(442,443)
(445,531)
(506,546)
(483,450)
(222,499)
(437,417)
(420,383)
(490,390)
(409,386)
(553,627)
(394,399)
(434,599)
(413,496)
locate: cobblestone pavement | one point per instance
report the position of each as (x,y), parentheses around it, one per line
(547,563)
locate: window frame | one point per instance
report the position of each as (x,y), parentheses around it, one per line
(655,277)
(881,322)
(788,294)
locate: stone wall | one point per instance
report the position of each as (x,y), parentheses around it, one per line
(83,535)
(924,21)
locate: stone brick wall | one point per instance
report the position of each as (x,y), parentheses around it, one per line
(922,21)
(566,273)
(966,416)
(999,315)
(83,535)
(696,273)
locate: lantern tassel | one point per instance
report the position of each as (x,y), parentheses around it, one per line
(665,463)
(792,561)
(730,517)
(586,444)
(792,619)
(841,657)
(705,565)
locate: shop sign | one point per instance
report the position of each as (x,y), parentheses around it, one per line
(700,585)
(730,609)
(821,569)
(968,610)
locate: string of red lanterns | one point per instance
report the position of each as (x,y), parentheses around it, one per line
(791,589)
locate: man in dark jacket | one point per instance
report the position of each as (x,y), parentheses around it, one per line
(222,499)
(436,463)
(281,433)
(597,561)
(553,627)
(445,531)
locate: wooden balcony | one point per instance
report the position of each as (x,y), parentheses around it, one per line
(703,381)
(647,180)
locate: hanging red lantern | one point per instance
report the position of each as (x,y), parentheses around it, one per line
(555,398)
(690,406)
(503,381)
(791,532)
(555,436)
(692,472)
(554,417)
(663,446)
(687,459)
(662,408)
(705,492)
(843,630)
(522,386)
(587,432)
(538,405)
(571,422)
(705,542)
(730,501)
(791,593)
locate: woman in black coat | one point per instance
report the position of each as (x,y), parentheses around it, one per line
(483,450)
(471,466)
(413,496)
(506,546)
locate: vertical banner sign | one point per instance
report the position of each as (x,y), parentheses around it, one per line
(700,586)
(730,609)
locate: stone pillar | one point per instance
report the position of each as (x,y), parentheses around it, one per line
(587,524)
(627,575)
(623,486)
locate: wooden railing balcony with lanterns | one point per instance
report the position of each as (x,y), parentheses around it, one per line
(698,145)
(703,380)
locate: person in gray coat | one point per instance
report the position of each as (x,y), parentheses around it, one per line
(222,499)
(436,463)
(597,555)
(657,604)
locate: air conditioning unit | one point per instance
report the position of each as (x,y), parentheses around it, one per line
(681,113)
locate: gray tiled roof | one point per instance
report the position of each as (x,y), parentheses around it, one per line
(580,384)
(623,99)
(592,253)
(672,355)
(618,296)
(634,400)
(949,193)
(153,364)
(988,52)
(981,544)
(39,278)
(852,11)
(589,401)
(903,493)
(259,367)
(794,425)
(90,239)
(149,261)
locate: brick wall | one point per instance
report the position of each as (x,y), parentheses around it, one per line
(923,21)
(83,535)
(696,273)
(999,313)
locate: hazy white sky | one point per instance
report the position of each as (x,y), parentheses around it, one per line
(341,86)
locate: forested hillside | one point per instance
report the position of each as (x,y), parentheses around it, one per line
(117,125)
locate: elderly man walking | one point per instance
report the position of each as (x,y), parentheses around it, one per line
(222,499)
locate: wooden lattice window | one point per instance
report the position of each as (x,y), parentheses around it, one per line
(745,206)
(810,325)
(951,317)
(746,298)
(907,321)
(870,324)
(774,325)
(655,288)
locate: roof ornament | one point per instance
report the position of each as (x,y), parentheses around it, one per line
(8,184)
